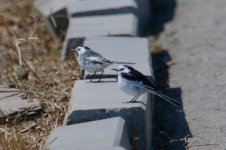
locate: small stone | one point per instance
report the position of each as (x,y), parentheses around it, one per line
(12,101)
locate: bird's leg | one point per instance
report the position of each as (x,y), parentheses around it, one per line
(134,99)
(81,73)
(91,77)
(101,75)
(116,78)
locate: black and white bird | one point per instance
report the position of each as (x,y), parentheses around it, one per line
(92,61)
(134,83)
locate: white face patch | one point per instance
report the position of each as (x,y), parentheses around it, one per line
(81,50)
(123,69)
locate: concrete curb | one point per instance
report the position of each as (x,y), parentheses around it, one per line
(109,134)
(110,28)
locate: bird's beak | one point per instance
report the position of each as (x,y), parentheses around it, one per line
(115,69)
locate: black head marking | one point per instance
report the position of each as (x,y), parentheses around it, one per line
(86,47)
(130,68)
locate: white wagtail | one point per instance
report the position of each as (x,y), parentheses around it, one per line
(92,61)
(134,83)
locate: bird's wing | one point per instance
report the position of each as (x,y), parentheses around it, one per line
(98,59)
(139,80)
(138,77)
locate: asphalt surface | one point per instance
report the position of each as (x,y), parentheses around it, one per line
(195,39)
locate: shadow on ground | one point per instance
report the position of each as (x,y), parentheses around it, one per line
(162,12)
(170,127)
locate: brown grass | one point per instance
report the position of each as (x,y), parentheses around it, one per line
(30,61)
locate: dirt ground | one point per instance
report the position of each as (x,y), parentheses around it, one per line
(30,61)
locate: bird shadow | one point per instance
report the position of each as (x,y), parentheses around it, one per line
(135,102)
(170,127)
(106,78)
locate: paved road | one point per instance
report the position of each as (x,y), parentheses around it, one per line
(196,39)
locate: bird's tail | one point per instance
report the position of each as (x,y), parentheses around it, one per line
(125,63)
(166,98)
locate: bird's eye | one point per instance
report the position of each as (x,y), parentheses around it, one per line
(121,69)
(78,49)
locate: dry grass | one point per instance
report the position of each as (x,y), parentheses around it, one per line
(30,61)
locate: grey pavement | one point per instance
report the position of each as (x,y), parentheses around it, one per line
(108,134)
(196,40)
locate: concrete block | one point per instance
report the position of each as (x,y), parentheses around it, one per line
(123,49)
(47,8)
(55,15)
(103,26)
(88,8)
(57,20)
(107,134)
(101,7)
(111,25)
(12,102)
(94,101)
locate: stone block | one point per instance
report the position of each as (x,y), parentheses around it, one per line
(103,26)
(101,7)
(12,102)
(57,18)
(94,101)
(108,134)
(47,8)
(88,8)
(55,15)
(96,26)
(123,49)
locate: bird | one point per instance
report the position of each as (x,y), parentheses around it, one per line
(134,83)
(92,61)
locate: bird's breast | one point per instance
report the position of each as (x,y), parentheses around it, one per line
(128,86)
